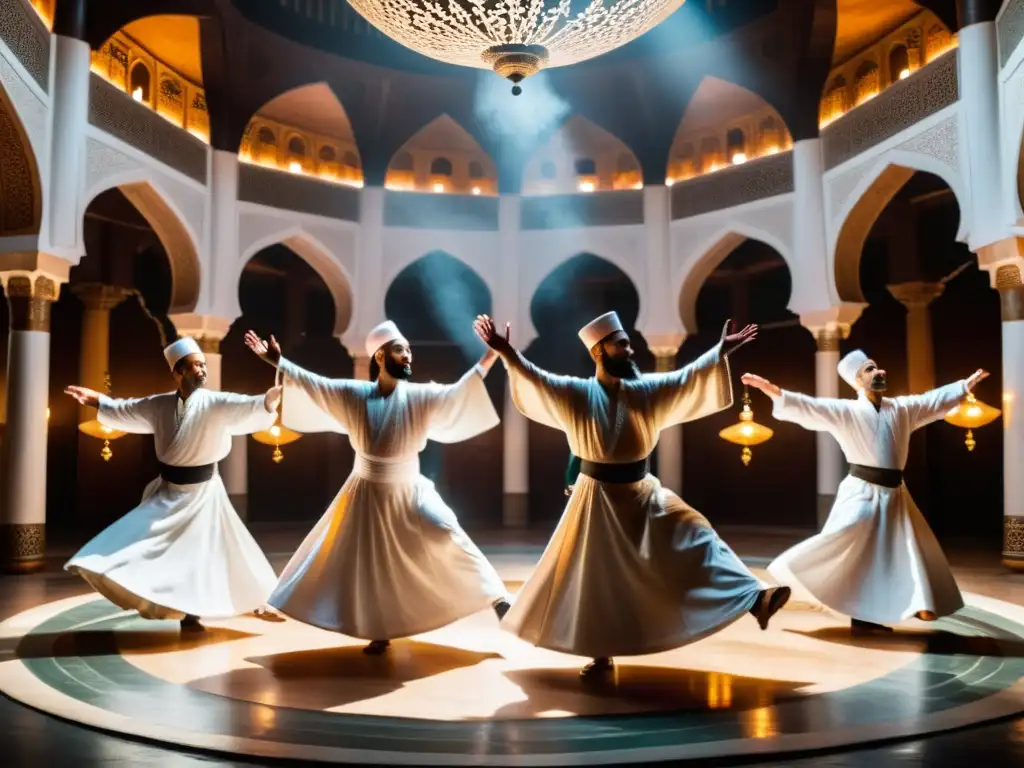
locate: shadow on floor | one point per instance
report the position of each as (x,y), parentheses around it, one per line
(113,643)
(933,642)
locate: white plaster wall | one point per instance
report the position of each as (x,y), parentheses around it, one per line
(1011,99)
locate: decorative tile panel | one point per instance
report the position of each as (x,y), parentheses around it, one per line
(293,192)
(594,209)
(19,187)
(423,210)
(1010,29)
(901,105)
(754,180)
(24,33)
(121,116)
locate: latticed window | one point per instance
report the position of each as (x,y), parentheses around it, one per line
(140,82)
(899,62)
(441,166)
(585,167)
(327,154)
(867,80)
(297,146)
(735,144)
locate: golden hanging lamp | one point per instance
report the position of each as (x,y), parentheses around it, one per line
(94,428)
(747,432)
(970,415)
(277,436)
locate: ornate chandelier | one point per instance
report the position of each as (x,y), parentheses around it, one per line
(515,38)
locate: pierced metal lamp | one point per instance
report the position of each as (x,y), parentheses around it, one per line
(93,427)
(277,435)
(970,415)
(747,432)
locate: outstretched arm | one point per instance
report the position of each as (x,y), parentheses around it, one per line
(813,413)
(245,414)
(134,415)
(931,406)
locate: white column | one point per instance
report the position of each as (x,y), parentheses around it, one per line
(69,116)
(223,232)
(978,64)
(670,443)
(812,282)
(370,299)
(508,307)
(1011,294)
(917,297)
(23,464)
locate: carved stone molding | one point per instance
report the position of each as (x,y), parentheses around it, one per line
(22,547)
(1013,542)
(97,296)
(30,300)
(916,295)
(1011,292)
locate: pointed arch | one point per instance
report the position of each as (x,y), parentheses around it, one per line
(585,157)
(172,228)
(728,123)
(318,256)
(438,158)
(304,130)
(710,254)
(870,197)
(21,197)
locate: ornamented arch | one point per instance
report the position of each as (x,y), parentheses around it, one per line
(311,250)
(20,185)
(866,204)
(709,255)
(171,227)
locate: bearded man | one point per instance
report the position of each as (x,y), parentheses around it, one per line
(876,560)
(183,552)
(631,569)
(388,559)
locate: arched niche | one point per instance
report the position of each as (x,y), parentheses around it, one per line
(305,130)
(20,187)
(282,291)
(175,236)
(434,301)
(581,157)
(439,158)
(570,296)
(718,115)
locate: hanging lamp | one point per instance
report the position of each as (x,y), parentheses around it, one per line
(95,428)
(972,414)
(746,432)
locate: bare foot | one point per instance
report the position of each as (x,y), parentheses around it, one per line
(265,614)
(598,668)
(377,647)
(771,602)
(191,624)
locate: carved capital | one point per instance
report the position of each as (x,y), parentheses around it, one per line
(916,295)
(832,325)
(30,298)
(207,330)
(1008,281)
(97,296)
(828,339)
(664,358)
(22,547)
(1013,543)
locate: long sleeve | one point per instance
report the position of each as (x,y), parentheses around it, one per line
(697,390)
(544,397)
(461,410)
(817,414)
(243,414)
(314,403)
(135,415)
(931,406)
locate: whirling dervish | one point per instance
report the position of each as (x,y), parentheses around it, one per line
(183,552)
(876,560)
(388,559)
(631,569)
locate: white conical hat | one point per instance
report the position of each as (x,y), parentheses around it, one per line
(383,334)
(600,328)
(850,366)
(181,348)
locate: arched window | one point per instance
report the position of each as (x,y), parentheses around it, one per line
(327,154)
(899,63)
(585,167)
(350,159)
(548,170)
(297,146)
(402,162)
(441,166)
(476,170)
(266,136)
(139,83)
(735,145)
(867,80)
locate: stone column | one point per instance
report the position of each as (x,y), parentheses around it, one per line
(361,367)
(94,355)
(23,464)
(917,297)
(831,462)
(1008,281)
(670,443)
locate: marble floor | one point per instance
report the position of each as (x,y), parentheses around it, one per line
(476,690)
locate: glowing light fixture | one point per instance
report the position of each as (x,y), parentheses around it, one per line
(476,190)
(512,38)
(772,150)
(277,436)
(904,74)
(739,158)
(93,428)
(137,94)
(295,167)
(438,187)
(970,415)
(747,432)
(586,186)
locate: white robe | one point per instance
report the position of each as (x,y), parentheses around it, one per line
(876,559)
(631,569)
(183,550)
(388,558)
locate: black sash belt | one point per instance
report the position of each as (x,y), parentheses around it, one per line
(887,478)
(616,473)
(187,475)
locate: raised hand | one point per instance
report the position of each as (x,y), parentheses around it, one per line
(488,333)
(978,376)
(733,341)
(84,396)
(761,383)
(269,352)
